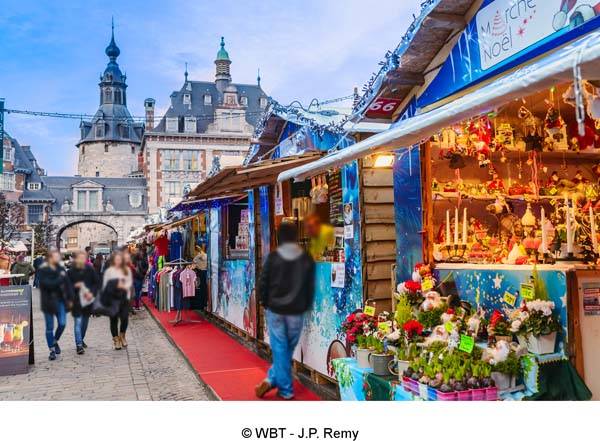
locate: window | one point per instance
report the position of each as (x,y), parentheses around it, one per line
(8,154)
(81,201)
(97,174)
(83,150)
(263,102)
(190,160)
(107,96)
(118,96)
(105,148)
(190,125)
(172,189)
(72,241)
(124,131)
(172,124)
(207,100)
(232,121)
(34,186)
(230,99)
(170,159)
(187,99)
(35,214)
(244,100)
(7,181)
(100,129)
(93,201)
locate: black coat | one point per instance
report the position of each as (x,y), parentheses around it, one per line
(88,276)
(55,286)
(287,286)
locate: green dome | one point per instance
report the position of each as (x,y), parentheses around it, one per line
(222,54)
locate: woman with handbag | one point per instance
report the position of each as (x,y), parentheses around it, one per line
(116,286)
(85,283)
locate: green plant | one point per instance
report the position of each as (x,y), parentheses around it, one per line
(430,319)
(403,311)
(511,366)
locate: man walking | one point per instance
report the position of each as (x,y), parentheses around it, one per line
(286,290)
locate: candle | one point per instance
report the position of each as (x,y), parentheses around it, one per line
(447,227)
(569,231)
(464,232)
(544,238)
(456,226)
(593,227)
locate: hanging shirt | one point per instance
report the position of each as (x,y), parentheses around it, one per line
(161,245)
(176,245)
(188,280)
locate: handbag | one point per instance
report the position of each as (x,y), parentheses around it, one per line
(103,304)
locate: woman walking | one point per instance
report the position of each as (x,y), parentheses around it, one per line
(55,291)
(117,285)
(99,265)
(140,262)
(85,283)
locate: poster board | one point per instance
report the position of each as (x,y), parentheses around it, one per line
(15,329)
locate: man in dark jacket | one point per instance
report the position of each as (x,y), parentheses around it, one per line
(85,283)
(286,290)
(55,291)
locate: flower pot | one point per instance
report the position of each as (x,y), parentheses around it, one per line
(478,394)
(464,395)
(506,338)
(397,367)
(380,364)
(491,394)
(362,358)
(542,344)
(503,381)
(447,396)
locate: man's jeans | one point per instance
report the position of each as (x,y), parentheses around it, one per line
(80,327)
(53,336)
(137,288)
(284,333)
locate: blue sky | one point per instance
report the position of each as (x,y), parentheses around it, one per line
(52,53)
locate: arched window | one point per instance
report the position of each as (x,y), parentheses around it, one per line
(108,95)
(118,97)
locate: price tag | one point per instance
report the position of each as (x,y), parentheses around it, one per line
(427,284)
(384,326)
(553,191)
(370,310)
(467,343)
(527,291)
(449,327)
(552,202)
(510,298)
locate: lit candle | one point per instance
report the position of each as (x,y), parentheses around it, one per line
(447,227)
(569,232)
(456,226)
(593,227)
(544,238)
(464,232)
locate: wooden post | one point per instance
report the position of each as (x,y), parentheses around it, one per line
(427,197)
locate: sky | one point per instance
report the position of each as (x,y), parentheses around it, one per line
(52,54)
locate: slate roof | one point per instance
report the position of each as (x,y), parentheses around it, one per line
(117,190)
(205,113)
(113,115)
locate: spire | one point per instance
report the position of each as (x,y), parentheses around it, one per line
(186,72)
(112,50)
(222,54)
(222,62)
(258,77)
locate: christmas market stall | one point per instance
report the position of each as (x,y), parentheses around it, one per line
(496,141)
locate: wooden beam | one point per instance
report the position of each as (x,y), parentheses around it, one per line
(379,195)
(399,77)
(440,20)
(379,232)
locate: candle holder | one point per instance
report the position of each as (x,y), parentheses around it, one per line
(456,253)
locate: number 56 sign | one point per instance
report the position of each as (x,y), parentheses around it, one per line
(383,107)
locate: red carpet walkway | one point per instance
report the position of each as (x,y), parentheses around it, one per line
(230,369)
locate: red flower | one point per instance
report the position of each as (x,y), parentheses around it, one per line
(450,311)
(412,328)
(496,317)
(412,285)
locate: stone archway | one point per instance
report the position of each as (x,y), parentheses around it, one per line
(64,228)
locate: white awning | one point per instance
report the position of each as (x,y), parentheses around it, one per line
(557,67)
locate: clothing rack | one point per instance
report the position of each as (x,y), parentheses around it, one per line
(179,318)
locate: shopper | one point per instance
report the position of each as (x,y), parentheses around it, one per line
(37,263)
(22,267)
(117,285)
(286,289)
(140,261)
(85,283)
(55,290)
(99,265)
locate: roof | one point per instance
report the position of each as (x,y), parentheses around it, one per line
(233,180)
(405,67)
(205,113)
(113,115)
(117,190)
(222,54)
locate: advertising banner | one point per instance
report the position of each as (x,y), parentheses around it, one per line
(15,329)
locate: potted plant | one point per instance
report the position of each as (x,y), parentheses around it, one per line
(357,327)
(505,363)
(499,327)
(406,338)
(380,357)
(536,326)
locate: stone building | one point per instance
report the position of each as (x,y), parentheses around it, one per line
(207,123)
(110,142)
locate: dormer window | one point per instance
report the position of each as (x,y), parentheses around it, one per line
(207,100)
(124,131)
(263,102)
(187,100)
(244,100)
(230,99)
(190,124)
(99,129)
(172,124)
(34,186)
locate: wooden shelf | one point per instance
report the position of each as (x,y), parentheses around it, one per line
(438,195)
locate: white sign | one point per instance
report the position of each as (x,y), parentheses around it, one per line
(279,200)
(506,27)
(338,275)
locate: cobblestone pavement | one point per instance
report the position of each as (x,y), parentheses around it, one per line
(150,369)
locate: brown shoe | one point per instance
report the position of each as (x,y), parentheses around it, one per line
(117,343)
(123,341)
(262,389)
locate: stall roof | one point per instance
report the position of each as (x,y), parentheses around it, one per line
(548,71)
(232,180)
(406,66)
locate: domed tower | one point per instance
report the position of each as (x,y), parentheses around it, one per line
(110,142)
(222,62)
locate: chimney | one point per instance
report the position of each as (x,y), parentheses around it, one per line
(149,107)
